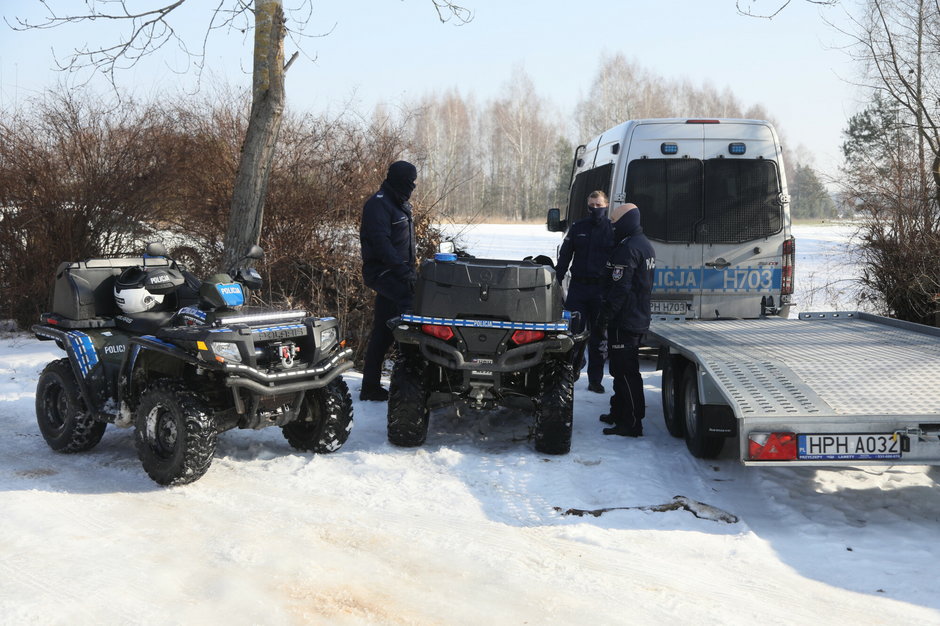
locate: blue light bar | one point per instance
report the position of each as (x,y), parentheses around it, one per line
(445,257)
(737,148)
(669,148)
(443,321)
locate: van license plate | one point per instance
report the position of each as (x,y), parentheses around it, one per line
(848,447)
(670,307)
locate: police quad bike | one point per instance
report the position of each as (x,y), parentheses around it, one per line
(182,360)
(485,333)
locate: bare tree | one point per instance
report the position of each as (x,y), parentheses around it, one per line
(622,90)
(148,31)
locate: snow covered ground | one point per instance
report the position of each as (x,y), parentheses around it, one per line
(469,529)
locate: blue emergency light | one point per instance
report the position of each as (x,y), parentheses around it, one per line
(669,148)
(737,148)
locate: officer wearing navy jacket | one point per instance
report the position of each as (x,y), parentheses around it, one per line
(626,314)
(387,237)
(586,248)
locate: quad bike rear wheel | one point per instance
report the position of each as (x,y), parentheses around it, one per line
(63,419)
(408,413)
(555,416)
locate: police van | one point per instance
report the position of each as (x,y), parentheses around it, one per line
(713,200)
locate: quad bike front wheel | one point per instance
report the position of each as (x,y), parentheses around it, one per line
(63,419)
(325,422)
(555,414)
(175,434)
(408,413)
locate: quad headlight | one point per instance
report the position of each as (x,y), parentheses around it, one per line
(327,338)
(227,351)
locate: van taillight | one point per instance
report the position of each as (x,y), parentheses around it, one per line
(444,333)
(789,267)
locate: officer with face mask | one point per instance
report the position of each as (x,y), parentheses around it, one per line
(586,247)
(625,313)
(387,237)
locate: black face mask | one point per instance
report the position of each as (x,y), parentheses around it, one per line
(598,213)
(628,223)
(401,179)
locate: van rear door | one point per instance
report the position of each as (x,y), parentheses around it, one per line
(664,179)
(743,223)
(710,197)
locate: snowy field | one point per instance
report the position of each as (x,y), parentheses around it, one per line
(468,529)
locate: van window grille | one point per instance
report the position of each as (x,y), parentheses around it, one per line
(584,183)
(741,201)
(718,201)
(669,195)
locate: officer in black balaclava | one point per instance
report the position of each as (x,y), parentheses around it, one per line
(387,237)
(588,242)
(625,313)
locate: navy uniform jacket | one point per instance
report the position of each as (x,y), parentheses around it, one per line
(387,237)
(629,283)
(589,242)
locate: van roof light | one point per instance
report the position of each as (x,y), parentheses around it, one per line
(669,148)
(737,148)
(703,122)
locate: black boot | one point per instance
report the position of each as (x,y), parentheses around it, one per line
(606,418)
(623,431)
(375,394)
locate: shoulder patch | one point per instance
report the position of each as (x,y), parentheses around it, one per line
(617,274)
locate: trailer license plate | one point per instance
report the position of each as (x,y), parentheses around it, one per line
(670,307)
(848,447)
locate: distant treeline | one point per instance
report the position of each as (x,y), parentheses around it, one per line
(511,157)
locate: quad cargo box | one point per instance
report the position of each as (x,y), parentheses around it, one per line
(83,294)
(475,288)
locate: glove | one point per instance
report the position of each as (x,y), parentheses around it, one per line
(601,321)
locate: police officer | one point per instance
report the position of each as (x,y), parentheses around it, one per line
(589,242)
(626,314)
(387,237)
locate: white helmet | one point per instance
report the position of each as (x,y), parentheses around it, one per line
(131,294)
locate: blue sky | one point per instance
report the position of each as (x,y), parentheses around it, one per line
(388,51)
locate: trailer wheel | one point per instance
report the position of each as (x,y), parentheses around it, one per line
(554,417)
(408,413)
(175,434)
(673,405)
(63,420)
(325,422)
(699,443)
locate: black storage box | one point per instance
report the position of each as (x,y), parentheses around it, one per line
(521,291)
(84,290)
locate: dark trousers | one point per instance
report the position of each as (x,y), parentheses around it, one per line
(627,406)
(379,340)
(587,300)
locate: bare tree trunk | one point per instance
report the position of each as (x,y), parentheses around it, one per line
(257,156)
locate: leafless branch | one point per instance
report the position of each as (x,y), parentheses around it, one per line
(772,13)
(447,10)
(145,32)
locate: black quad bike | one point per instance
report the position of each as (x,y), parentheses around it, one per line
(182,360)
(486,333)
